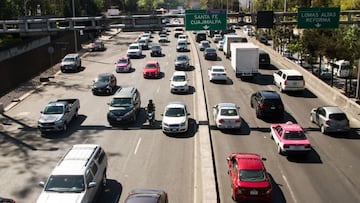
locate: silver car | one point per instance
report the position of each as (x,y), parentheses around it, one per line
(330,119)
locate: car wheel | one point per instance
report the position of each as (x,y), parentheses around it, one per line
(281,89)
(251,105)
(134,117)
(312,119)
(64,127)
(279,150)
(258,115)
(104,181)
(322,129)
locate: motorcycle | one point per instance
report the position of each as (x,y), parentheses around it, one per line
(151,117)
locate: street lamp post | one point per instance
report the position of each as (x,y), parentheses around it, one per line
(75,37)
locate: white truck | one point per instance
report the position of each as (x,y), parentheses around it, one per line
(58,114)
(245,59)
(229,39)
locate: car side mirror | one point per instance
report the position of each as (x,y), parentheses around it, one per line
(263,158)
(92,184)
(162,114)
(41,183)
(228,158)
(188,114)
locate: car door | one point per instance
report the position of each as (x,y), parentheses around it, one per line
(317,116)
(90,192)
(277,77)
(215,112)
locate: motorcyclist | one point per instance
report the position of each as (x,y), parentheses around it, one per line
(150,106)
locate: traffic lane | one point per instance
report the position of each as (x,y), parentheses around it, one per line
(289,194)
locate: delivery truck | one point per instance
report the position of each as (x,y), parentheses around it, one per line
(245,59)
(229,39)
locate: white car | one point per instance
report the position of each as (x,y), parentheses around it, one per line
(227,116)
(220,45)
(163,38)
(183,37)
(217,38)
(179,82)
(134,50)
(217,73)
(175,118)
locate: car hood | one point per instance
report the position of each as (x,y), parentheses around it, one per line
(100,84)
(181,62)
(150,70)
(133,50)
(48,118)
(120,111)
(66,63)
(174,120)
(54,197)
(121,64)
(179,83)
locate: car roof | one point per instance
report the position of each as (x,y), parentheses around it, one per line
(226,105)
(217,66)
(105,74)
(249,161)
(291,72)
(71,55)
(269,94)
(288,126)
(151,62)
(179,73)
(176,104)
(332,109)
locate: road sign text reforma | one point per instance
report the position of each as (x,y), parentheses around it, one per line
(205,19)
(327,17)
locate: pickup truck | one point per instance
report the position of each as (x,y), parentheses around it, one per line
(58,114)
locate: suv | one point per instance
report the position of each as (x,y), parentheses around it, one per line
(134,50)
(181,45)
(289,80)
(70,62)
(175,118)
(78,176)
(330,119)
(104,83)
(182,61)
(200,36)
(267,103)
(264,59)
(124,106)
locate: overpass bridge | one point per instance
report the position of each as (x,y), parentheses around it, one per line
(45,25)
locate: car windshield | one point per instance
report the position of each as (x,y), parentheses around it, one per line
(252,175)
(210,50)
(218,70)
(122,61)
(133,47)
(69,59)
(295,77)
(150,65)
(228,112)
(181,44)
(205,44)
(179,78)
(54,110)
(120,102)
(68,183)
(155,47)
(338,116)
(294,135)
(182,58)
(175,112)
(104,79)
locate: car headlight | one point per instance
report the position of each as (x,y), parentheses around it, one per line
(183,124)
(59,122)
(111,114)
(128,113)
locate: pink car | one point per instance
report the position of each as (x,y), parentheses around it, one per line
(123,64)
(290,138)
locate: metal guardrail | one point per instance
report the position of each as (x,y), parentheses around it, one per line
(31,25)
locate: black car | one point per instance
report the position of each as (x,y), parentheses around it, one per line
(210,54)
(264,59)
(104,83)
(156,50)
(147,196)
(267,104)
(182,62)
(6,200)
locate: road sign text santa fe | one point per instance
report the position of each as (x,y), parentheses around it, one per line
(205,19)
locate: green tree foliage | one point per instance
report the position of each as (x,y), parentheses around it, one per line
(149,5)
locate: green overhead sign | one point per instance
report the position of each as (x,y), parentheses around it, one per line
(326,17)
(205,19)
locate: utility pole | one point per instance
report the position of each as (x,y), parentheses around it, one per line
(75,37)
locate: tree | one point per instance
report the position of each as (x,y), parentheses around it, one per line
(149,5)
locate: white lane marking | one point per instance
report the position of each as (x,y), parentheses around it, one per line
(137,145)
(291,191)
(158,90)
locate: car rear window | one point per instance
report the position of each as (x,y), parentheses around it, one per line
(295,77)
(294,135)
(338,116)
(272,102)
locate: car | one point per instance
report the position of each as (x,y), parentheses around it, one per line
(204,44)
(289,138)
(179,82)
(178,31)
(123,64)
(156,50)
(330,119)
(264,59)
(249,179)
(151,70)
(175,118)
(210,54)
(144,43)
(267,103)
(147,195)
(200,36)
(104,83)
(220,45)
(325,73)
(289,80)
(146,35)
(182,46)
(217,38)
(227,116)
(97,45)
(183,37)
(134,51)
(163,38)
(217,73)
(303,63)
(182,62)
(6,200)
(71,62)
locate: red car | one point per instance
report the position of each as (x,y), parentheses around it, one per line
(123,64)
(290,138)
(249,179)
(151,70)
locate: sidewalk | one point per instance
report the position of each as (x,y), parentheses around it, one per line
(19,93)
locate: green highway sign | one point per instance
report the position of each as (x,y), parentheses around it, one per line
(322,17)
(205,19)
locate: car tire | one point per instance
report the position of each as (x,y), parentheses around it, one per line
(279,150)
(65,127)
(312,119)
(322,129)
(104,181)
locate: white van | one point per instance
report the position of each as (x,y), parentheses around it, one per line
(342,68)
(289,80)
(78,176)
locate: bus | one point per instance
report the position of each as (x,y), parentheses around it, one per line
(341,68)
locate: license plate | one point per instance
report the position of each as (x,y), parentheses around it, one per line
(118,119)
(253,192)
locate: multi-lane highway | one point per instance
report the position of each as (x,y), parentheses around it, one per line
(142,156)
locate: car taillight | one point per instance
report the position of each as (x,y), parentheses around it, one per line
(221,120)
(262,106)
(286,146)
(237,121)
(285,82)
(327,122)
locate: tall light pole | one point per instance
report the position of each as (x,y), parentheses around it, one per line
(75,37)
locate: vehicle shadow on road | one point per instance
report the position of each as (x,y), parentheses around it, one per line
(244,129)
(111,193)
(74,126)
(260,79)
(311,158)
(278,195)
(306,93)
(192,129)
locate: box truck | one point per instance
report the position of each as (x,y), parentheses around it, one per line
(245,59)
(231,38)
